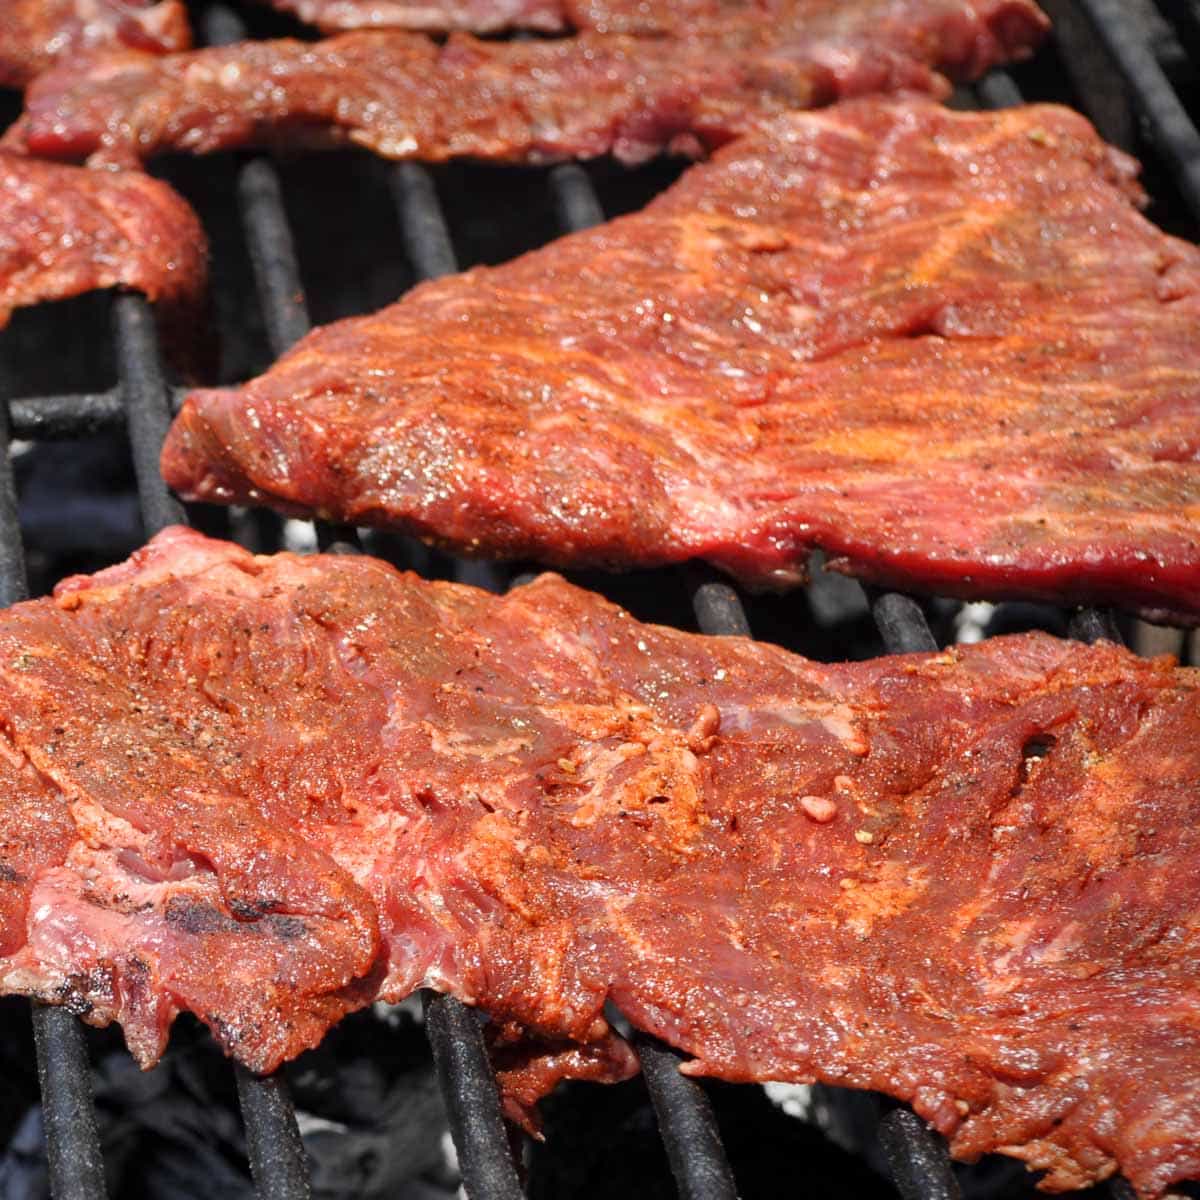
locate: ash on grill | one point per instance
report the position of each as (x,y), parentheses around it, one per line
(368,1105)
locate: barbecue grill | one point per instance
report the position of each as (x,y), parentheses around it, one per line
(1123,63)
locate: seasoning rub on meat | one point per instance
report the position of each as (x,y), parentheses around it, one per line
(430,16)
(672,18)
(270,790)
(35,33)
(943,346)
(65,230)
(403,96)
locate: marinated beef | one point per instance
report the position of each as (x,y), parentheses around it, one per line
(66,230)
(403,96)
(673,18)
(430,16)
(942,346)
(269,790)
(34,33)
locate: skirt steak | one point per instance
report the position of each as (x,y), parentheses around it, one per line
(943,346)
(271,790)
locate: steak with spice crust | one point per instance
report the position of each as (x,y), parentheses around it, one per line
(945,347)
(429,16)
(36,33)
(65,230)
(271,790)
(404,96)
(671,18)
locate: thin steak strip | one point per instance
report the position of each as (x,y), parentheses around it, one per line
(269,790)
(943,346)
(36,33)
(672,18)
(66,230)
(403,96)
(429,16)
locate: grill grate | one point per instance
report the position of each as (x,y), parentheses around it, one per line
(1171,127)
(142,403)
(472,1102)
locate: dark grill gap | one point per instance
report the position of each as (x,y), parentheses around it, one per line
(142,403)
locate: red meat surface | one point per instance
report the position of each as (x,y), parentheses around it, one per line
(945,347)
(65,230)
(673,18)
(270,790)
(404,96)
(430,16)
(36,33)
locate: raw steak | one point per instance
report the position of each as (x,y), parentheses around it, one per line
(66,230)
(942,346)
(34,33)
(268,790)
(404,96)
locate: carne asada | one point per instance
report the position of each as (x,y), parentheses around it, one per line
(430,16)
(34,33)
(943,346)
(404,96)
(66,230)
(271,790)
(673,18)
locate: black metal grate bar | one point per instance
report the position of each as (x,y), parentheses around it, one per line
(13,583)
(575,200)
(272,254)
(68,1110)
(718,608)
(689,1128)
(472,1099)
(465,1075)
(337,539)
(270,1121)
(1093,624)
(431,254)
(222,26)
(268,233)
(1185,16)
(147,407)
(277,1160)
(1173,131)
(76,1160)
(998,90)
(918,1157)
(901,623)
(54,418)
(422,223)
(1119,1188)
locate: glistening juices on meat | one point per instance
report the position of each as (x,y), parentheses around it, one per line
(36,33)
(404,96)
(1004,21)
(271,790)
(943,346)
(67,230)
